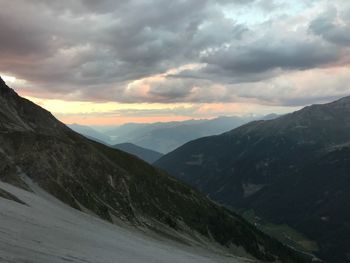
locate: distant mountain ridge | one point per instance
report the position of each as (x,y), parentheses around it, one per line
(164,137)
(167,136)
(39,152)
(147,155)
(90,133)
(294,169)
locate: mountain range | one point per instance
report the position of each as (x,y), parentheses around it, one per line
(45,166)
(293,170)
(163,137)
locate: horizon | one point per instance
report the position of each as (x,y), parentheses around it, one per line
(163,122)
(93,64)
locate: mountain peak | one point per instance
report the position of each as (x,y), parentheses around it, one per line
(2,84)
(3,87)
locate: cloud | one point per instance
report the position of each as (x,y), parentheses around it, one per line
(124,51)
(264,56)
(298,88)
(262,60)
(72,43)
(333,24)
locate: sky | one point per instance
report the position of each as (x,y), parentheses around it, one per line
(110,62)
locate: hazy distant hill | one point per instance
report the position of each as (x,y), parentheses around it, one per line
(143,153)
(47,160)
(90,133)
(165,137)
(294,169)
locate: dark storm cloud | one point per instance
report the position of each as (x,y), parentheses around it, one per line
(92,50)
(68,44)
(334,26)
(263,59)
(262,56)
(131,36)
(166,91)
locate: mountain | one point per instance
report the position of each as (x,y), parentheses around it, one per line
(167,136)
(292,170)
(143,153)
(44,160)
(90,133)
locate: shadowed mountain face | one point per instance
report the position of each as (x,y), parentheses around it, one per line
(143,153)
(294,169)
(88,176)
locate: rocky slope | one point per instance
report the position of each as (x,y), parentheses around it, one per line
(294,169)
(36,149)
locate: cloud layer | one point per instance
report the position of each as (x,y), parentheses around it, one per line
(198,51)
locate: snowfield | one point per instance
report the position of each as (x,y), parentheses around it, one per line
(47,231)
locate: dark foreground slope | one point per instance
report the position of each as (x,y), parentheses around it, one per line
(89,176)
(294,170)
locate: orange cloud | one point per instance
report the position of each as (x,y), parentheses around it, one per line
(117,120)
